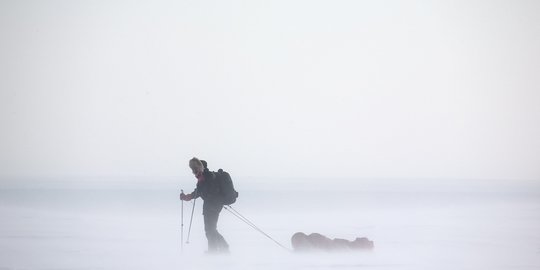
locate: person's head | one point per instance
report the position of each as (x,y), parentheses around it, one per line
(196,166)
(204,163)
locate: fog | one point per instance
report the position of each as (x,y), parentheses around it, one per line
(414,124)
(391,89)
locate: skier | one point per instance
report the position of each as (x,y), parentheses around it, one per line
(208,188)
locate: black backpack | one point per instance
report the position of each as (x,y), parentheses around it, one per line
(228,193)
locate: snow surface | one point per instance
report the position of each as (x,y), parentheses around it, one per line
(414,226)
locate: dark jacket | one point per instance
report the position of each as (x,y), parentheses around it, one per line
(210,191)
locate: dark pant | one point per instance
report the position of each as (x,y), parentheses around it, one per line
(216,242)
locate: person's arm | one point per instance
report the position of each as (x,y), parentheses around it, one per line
(195,194)
(189,197)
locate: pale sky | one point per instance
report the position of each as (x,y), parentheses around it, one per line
(356,89)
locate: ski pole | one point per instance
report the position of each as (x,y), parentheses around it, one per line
(182,226)
(191,220)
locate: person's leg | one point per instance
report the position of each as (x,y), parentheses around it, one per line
(210,225)
(216,242)
(222,245)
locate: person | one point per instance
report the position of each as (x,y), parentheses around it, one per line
(209,190)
